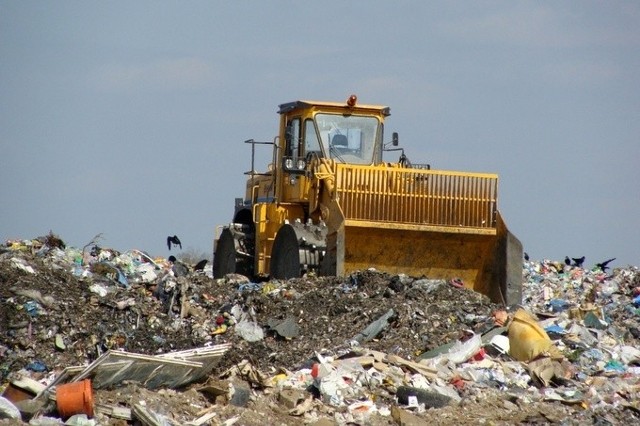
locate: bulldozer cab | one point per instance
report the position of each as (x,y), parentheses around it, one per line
(347,134)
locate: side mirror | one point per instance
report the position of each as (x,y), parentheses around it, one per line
(394,139)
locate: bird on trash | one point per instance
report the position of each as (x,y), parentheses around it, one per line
(526,256)
(200,265)
(574,261)
(175,241)
(604,265)
(578,261)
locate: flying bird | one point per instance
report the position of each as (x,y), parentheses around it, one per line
(604,265)
(175,241)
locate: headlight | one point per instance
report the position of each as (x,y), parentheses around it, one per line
(294,165)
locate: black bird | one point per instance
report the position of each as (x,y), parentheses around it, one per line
(578,261)
(604,265)
(175,241)
(200,265)
(567,261)
(526,256)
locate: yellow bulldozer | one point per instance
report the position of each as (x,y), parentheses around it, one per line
(329,204)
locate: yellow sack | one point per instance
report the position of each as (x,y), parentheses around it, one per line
(527,339)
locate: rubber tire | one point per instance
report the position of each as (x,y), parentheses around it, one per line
(224,258)
(285,255)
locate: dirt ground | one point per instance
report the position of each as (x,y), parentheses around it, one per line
(301,318)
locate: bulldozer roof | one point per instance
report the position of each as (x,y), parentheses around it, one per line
(302,104)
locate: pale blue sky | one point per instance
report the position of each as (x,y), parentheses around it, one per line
(128,118)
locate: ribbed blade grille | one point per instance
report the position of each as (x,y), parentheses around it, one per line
(417,196)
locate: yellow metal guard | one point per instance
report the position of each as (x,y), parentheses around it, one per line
(433,198)
(433,223)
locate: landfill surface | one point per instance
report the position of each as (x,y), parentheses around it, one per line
(367,349)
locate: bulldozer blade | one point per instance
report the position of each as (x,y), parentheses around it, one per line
(489,264)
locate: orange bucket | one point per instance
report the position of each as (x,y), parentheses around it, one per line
(75,398)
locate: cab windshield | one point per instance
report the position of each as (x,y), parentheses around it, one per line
(348,138)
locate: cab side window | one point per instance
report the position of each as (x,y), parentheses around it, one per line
(311,142)
(294,145)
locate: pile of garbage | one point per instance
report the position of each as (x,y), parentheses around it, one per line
(94,336)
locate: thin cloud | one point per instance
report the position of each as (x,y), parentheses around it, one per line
(580,72)
(169,74)
(285,51)
(521,25)
(378,84)
(532,24)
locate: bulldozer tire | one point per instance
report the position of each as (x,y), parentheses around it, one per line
(285,256)
(224,258)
